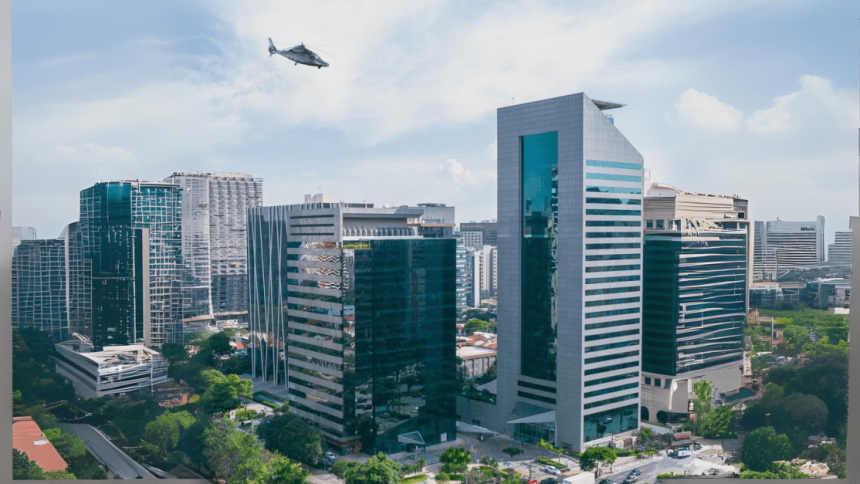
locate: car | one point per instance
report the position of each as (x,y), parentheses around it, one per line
(713,472)
(606,481)
(506,464)
(635,472)
(385,415)
(330,455)
(630,480)
(549,480)
(552,470)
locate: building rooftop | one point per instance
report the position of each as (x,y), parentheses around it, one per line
(28,438)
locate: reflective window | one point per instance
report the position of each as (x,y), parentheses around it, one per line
(609,422)
(613,164)
(609,176)
(539,155)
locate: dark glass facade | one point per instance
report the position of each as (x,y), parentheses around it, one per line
(39,287)
(608,422)
(405,343)
(693,300)
(539,155)
(131,241)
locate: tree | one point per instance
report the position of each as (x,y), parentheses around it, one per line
(293,437)
(456,459)
(240,458)
(341,467)
(24,468)
(477,325)
(555,451)
(69,446)
(719,424)
(702,403)
(443,478)
(594,457)
(378,470)
(763,446)
(221,396)
(174,352)
(166,430)
(219,344)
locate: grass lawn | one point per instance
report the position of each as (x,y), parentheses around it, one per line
(414,479)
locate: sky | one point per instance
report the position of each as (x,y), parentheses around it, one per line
(753,98)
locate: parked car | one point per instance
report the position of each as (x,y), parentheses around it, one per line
(386,415)
(549,480)
(552,470)
(606,481)
(330,455)
(635,472)
(630,480)
(713,472)
(683,453)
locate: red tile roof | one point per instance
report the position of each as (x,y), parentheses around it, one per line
(28,438)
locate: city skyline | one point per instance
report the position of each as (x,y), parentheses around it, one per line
(737,109)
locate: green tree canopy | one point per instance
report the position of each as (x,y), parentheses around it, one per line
(293,437)
(455,459)
(763,446)
(719,424)
(594,457)
(219,344)
(174,352)
(166,430)
(240,458)
(378,470)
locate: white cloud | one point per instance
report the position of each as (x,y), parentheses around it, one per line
(817,102)
(401,67)
(93,153)
(707,112)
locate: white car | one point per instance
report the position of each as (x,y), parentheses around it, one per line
(330,455)
(552,470)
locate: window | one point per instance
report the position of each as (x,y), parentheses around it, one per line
(633,191)
(656,382)
(476,422)
(600,211)
(647,380)
(660,224)
(609,176)
(649,224)
(613,164)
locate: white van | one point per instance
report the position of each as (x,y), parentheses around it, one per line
(683,453)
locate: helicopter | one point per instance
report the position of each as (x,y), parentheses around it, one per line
(298,54)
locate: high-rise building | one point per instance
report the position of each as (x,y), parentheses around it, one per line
(436,221)
(570,269)
(473,267)
(463,277)
(480,233)
(131,233)
(764,258)
(790,244)
(78,281)
(353,316)
(214,241)
(840,251)
(696,288)
(489,271)
(39,287)
(22,233)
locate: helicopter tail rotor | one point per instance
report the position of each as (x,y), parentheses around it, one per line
(272,48)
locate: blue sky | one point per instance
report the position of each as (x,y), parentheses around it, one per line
(755,98)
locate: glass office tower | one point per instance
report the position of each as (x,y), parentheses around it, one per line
(569,290)
(352,316)
(39,287)
(131,234)
(214,242)
(696,291)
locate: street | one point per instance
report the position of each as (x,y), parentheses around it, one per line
(120,464)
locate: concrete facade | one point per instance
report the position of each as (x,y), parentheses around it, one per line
(559,403)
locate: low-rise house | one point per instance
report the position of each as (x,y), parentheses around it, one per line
(28,438)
